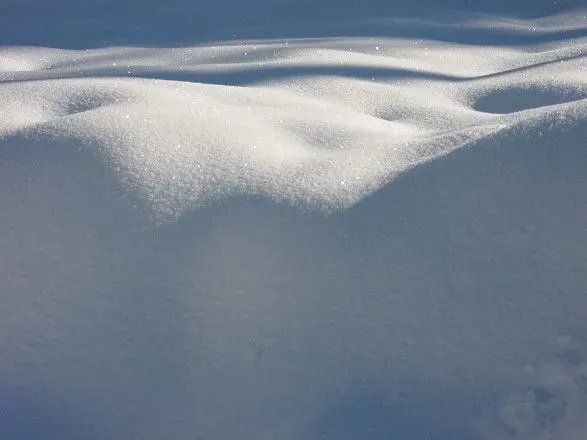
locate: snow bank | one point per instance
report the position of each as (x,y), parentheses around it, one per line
(317,123)
(261,239)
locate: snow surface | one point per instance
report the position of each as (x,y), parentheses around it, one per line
(360,225)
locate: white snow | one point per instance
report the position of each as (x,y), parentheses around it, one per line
(235,239)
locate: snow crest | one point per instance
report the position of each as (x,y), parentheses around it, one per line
(317,123)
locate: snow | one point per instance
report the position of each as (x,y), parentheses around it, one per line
(361,225)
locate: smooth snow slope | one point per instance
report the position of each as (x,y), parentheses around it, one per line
(339,237)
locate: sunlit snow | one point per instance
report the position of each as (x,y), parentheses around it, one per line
(374,230)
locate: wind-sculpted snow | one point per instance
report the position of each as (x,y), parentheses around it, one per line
(320,123)
(346,237)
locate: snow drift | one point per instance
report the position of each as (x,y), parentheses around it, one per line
(335,237)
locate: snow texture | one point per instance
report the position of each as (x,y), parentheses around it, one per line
(347,223)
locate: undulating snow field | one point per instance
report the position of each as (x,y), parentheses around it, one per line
(294,221)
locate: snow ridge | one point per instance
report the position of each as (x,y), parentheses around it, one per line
(318,123)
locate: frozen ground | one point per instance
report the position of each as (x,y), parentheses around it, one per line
(309,222)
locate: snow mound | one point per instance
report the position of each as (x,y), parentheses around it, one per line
(317,123)
(167,269)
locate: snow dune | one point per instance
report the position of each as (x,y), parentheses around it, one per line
(319,123)
(270,238)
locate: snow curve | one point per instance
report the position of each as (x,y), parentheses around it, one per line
(260,239)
